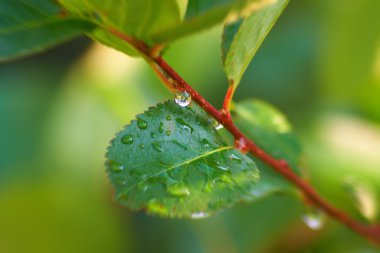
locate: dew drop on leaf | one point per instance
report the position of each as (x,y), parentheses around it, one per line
(218,126)
(185,125)
(224,168)
(127,139)
(141,146)
(116,167)
(168,132)
(199,215)
(161,127)
(156,146)
(314,218)
(142,124)
(182,99)
(121,181)
(241,145)
(234,158)
(205,143)
(197,120)
(180,144)
(142,186)
(154,207)
(178,189)
(153,135)
(168,118)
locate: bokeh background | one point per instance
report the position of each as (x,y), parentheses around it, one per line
(58,111)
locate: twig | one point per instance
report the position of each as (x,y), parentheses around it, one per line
(371,232)
(227,101)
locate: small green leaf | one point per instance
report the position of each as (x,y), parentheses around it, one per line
(270,130)
(242,39)
(30,26)
(172,162)
(138,19)
(203,14)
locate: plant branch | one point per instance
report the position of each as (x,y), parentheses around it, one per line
(173,80)
(226,110)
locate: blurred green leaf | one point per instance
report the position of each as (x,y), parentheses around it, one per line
(270,130)
(242,39)
(172,162)
(31,26)
(350,55)
(139,19)
(203,14)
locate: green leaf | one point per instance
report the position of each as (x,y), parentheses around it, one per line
(30,26)
(172,162)
(270,130)
(138,19)
(242,39)
(203,14)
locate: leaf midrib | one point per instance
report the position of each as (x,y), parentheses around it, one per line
(181,164)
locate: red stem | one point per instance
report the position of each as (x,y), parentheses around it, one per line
(371,232)
(227,101)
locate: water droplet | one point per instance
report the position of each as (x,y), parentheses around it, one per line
(182,99)
(197,120)
(185,125)
(209,186)
(314,218)
(141,146)
(142,124)
(153,135)
(235,158)
(137,173)
(205,143)
(127,139)
(139,135)
(241,145)
(156,146)
(142,186)
(213,122)
(179,190)
(363,196)
(168,132)
(155,207)
(116,167)
(161,127)
(199,215)
(218,127)
(121,181)
(168,118)
(180,144)
(160,106)
(225,168)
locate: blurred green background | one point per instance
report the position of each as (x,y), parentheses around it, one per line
(320,65)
